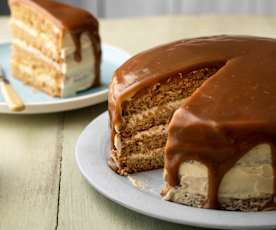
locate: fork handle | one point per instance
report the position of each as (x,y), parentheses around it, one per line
(14,102)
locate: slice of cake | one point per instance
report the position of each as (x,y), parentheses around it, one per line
(55,47)
(207,105)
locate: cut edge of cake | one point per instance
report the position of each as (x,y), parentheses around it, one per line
(138,144)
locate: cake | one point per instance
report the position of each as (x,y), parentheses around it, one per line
(204,109)
(55,47)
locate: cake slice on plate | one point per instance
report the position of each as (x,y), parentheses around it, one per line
(55,47)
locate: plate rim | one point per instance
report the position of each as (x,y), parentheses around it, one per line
(234,217)
(53,106)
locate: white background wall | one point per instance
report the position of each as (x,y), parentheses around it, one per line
(124,8)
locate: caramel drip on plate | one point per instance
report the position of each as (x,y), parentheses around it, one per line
(233,111)
(74,20)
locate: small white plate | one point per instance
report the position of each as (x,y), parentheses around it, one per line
(92,151)
(39,102)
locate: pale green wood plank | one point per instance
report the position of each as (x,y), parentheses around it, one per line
(30,150)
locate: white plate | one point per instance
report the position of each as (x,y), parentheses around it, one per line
(92,151)
(38,102)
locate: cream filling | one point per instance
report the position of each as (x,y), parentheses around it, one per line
(68,46)
(140,116)
(77,75)
(158,130)
(251,177)
(46,41)
(42,78)
(30,49)
(26,69)
(150,155)
(79,83)
(21,24)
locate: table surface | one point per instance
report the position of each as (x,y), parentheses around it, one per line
(40,184)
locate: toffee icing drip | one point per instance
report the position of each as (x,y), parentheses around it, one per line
(233,111)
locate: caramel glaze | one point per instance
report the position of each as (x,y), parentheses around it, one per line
(74,20)
(232,111)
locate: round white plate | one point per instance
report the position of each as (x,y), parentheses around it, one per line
(39,102)
(92,151)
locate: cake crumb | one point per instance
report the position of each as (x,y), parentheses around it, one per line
(136,183)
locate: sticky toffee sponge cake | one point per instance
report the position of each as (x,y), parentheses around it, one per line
(205,110)
(55,47)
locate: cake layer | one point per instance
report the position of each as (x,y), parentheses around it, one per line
(246,205)
(251,179)
(171,89)
(231,204)
(124,165)
(33,71)
(37,40)
(66,64)
(155,104)
(146,119)
(43,82)
(143,142)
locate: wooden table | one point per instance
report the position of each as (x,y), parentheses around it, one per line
(40,184)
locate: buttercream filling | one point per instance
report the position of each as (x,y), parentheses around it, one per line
(73,84)
(68,46)
(28,48)
(251,177)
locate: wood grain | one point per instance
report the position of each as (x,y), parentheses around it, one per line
(29,171)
